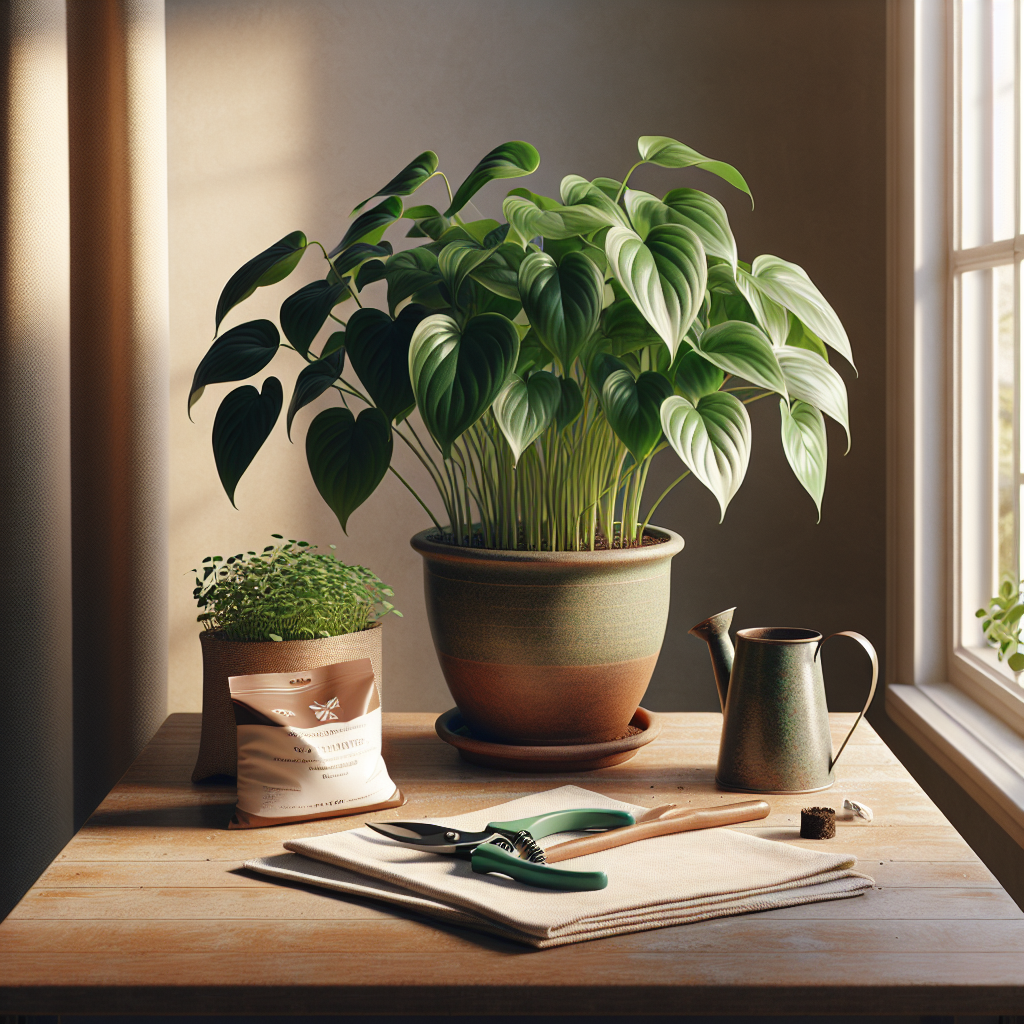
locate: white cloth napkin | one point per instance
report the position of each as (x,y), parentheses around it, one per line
(675,879)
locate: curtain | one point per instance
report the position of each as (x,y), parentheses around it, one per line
(83,412)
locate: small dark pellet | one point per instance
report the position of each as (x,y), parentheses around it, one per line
(817,823)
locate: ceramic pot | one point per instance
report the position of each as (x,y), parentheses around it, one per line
(218,753)
(547,647)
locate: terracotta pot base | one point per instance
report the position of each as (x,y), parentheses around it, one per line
(586,757)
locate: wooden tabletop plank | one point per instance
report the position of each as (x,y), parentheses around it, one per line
(142,896)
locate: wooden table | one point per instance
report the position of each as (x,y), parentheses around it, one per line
(146,912)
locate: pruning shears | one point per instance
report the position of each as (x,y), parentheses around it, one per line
(510,847)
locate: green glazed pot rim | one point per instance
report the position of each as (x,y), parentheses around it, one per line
(671,545)
(779,635)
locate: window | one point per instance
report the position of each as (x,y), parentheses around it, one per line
(955,385)
(986,246)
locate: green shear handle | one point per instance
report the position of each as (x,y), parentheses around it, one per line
(487,857)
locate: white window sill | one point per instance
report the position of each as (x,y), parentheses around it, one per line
(981,752)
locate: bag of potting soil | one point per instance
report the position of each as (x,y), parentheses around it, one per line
(309,745)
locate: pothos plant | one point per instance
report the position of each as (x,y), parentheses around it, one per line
(550,357)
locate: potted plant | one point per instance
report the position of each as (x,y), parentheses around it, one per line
(550,359)
(287,608)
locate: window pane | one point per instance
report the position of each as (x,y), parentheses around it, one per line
(1003,136)
(1006,371)
(977,533)
(987,137)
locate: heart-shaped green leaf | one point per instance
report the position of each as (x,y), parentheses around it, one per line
(499,273)
(456,374)
(665,152)
(524,409)
(743,350)
(313,381)
(695,377)
(235,355)
(563,302)
(348,457)
(633,408)
(269,267)
(810,379)
(369,272)
(570,404)
(789,286)
(335,343)
(378,349)
(305,312)
(806,447)
(355,255)
(577,191)
(408,272)
(712,437)
(529,220)
(601,366)
(773,318)
(243,422)
(509,160)
(408,179)
(665,276)
(707,218)
(625,327)
(370,226)
(457,259)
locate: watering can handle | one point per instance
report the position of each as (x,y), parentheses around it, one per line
(866,644)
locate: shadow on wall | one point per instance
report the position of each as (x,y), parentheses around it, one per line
(284,116)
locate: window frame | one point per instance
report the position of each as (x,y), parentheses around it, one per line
(950,698)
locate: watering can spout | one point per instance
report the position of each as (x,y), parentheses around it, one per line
(715,632)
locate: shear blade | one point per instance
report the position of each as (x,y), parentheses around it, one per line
(429,837)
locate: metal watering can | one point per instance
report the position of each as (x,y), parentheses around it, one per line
(776,736)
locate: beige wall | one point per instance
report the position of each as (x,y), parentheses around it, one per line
(284,114)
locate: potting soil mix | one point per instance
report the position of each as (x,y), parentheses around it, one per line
(309,745)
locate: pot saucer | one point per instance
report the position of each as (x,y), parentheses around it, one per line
(644,727)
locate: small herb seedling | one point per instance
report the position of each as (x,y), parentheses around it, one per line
(288,591)
(1002,624)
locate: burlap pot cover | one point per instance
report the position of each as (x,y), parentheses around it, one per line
(222,658)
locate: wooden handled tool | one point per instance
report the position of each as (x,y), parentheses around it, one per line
(668,822)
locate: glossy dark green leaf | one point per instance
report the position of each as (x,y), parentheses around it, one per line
(305,312)
(525,408)
(313,381)
(494,238)
(743,350)
(625,327)
(359,253)
(457,373)
(695,377)
(370,226)
(633,408)
(712,437)
(335,343)
(600,366)
(563,302)
(499,273)
(457,259)
(369,272)
(269,267)
(408,179)
(408,272)
(532,354)
(570,403)
(806,447)
(243,422)
(509,160)
(378,350)
(475,299)
(666,152)
(348,457)
(235,355)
